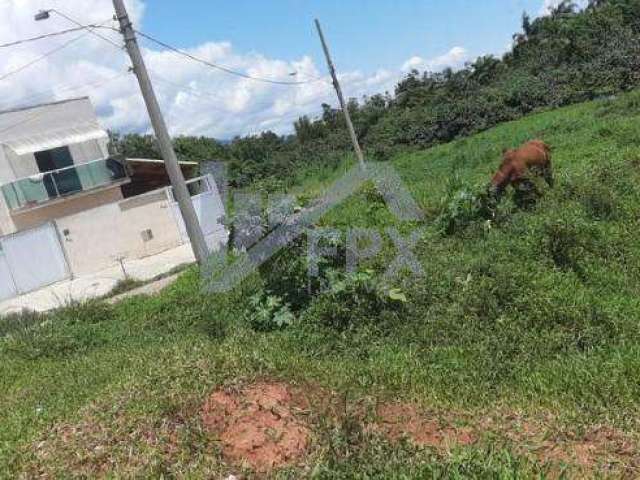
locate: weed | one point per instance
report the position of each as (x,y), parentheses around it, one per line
(268,312)
(463,207)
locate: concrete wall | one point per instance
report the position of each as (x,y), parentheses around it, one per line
(96,239)
(64,207)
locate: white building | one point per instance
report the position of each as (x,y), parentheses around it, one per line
(69,208)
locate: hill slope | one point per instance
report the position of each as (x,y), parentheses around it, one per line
(523,334)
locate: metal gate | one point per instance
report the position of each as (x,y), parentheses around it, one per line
(31,259)
(209,209)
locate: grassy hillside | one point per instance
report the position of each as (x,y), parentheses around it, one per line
(524,331)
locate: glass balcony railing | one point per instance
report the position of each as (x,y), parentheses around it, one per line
(44,187)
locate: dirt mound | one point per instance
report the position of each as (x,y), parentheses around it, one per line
(399,420)
(258,425)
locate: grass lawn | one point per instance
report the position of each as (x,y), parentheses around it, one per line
(523,332)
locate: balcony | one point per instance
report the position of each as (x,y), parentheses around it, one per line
(56,184)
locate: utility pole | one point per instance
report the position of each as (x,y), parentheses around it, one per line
(180,190)
(343,105)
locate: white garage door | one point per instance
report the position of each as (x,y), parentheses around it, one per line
(34,259)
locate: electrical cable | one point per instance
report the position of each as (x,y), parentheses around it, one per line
(222,68)
(46,55)
(96,34)
(48,35)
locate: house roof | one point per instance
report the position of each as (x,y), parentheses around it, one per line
(40,127)
(40,105)
(58,138)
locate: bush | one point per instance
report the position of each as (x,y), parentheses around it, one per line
(286,274)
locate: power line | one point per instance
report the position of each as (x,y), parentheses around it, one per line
(211,96)
(222,68)
(47,54)
(90,30)
(49,35)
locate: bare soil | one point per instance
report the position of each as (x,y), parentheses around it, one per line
(258,425)
(399,420)
(267,425)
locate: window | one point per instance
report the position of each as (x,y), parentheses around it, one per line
(62,182)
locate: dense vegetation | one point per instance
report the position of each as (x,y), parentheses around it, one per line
(567,57)
(530,319)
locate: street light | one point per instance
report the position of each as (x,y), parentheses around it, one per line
(42,15)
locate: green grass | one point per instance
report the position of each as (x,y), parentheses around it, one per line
(536,312)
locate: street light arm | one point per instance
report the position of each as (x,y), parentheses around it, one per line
(46,14)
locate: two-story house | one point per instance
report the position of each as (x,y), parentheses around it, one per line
(54,162)
(68,208)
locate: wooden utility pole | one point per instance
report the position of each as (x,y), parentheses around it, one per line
(181,193)
(343,105)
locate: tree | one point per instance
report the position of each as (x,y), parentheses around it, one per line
(199,149)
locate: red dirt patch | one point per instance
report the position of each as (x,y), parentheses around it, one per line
(602,447)
(405,420)
(258,424)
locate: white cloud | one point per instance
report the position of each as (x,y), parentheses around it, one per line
(195,99)
(454,58)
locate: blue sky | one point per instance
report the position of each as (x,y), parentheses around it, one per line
(374,43)
(364,34)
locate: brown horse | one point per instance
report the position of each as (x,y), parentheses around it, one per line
(532,157)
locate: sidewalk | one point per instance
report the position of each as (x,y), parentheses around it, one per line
(98,284)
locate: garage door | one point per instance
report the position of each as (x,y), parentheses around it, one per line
(34,258)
